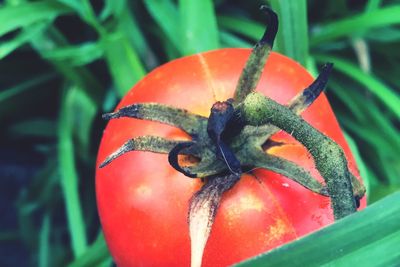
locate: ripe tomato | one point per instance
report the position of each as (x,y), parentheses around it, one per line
(143,201)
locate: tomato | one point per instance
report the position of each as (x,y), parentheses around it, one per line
(143,202)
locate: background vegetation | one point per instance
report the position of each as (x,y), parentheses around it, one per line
(63,63)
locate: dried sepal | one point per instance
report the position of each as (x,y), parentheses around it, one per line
(177,117)
(202,210)
(173,158)
(305,98)
(142,143)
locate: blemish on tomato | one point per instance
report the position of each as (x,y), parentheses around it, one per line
(245,203)
(144,190)
(277,230)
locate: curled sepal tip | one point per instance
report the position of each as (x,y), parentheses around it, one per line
(313,91)
(301,101)
(255,64)
(202,210)
(173,158)
(180,118)
(272,28)
(142,143)
(221,114)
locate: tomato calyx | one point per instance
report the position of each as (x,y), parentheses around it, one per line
(234,139)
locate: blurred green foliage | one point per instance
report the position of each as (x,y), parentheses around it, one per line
(63,63)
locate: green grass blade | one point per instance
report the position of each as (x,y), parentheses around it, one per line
(348,99)
(367,134)
(34,128)
(74,4)
(368,116)
(292,37)
(95,255)
(14,17)
(113,7)
(372,5)
(69,177)
(384,35)
(230,40)
(130,27)
(367,178)
(377,134)
(199,30)
(44,242)
(24,36)
(372,83)
(84,111)
(23,86)
(350,26)
(166,14)
(123,63)
(85,10)
(52,39)
(75,55)
(367,238)
(250,29)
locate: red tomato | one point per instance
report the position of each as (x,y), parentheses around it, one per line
(143,201)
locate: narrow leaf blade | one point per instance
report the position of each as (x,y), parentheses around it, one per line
(388,96)
(352,25)
(123,63)
(199,26)
(371,235)
(292,38)
(14,17)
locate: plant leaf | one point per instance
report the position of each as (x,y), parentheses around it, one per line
(75,55)
(370,237)
(230,40)
(113,7)
(349,26)
(123,62)
(44,242)
(69,176)
(94,255)
(251,29)
(373,84)
(24,36)
(292,38)
(23,86)
(14,17)
(199,30)
(166,14)
(33,127)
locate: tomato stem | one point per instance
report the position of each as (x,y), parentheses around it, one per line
(329,157)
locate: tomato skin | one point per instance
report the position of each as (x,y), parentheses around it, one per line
(143,202)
